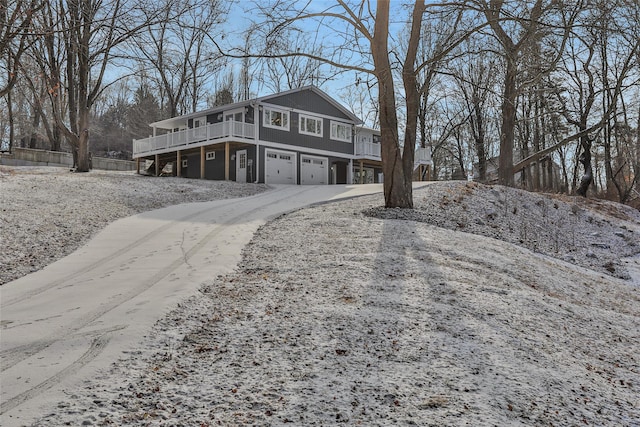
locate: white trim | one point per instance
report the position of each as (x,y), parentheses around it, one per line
(336,138)
(315,119)
(294,159)
(296,148)
(284,112)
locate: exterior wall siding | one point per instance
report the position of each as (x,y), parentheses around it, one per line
(294,138)
(214,168)
(307,100)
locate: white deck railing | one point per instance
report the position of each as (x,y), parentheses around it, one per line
(187,137)
(422,156)
(368,149)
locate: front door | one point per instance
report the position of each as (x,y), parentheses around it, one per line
(241,166)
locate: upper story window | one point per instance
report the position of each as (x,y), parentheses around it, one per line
(277,119)
(310,125)
(340,131)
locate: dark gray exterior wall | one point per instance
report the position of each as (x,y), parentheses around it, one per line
(315,104)
(214,169)
(296,139)
(308,100)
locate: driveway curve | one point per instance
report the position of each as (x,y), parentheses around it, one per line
(64,323)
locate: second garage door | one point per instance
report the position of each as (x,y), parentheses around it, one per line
(313,170)
(280,167)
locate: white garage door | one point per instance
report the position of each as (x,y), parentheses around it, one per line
(313,170)
(280,167)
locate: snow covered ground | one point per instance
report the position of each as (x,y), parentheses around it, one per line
(482,306)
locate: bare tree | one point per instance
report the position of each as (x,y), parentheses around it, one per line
(16,34)
(176,53)
(581,89)
(284,72)
(475,78)
(516,26)
(77,44)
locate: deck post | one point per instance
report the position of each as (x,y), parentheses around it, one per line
(157,164)
(420,173)
(138,165)
(202,160)
(226,161)
(361,179)
(179,164)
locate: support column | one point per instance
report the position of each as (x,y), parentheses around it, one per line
(420,170)
(202,160)
(361,179)
(350,172)
(138,165)
(257,163)
(157,163)
(179,164)
(226,161)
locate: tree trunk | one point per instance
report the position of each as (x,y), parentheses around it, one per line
(83,143)
(507,129)
(480,140)
(585,159)
(33,141)
(397,182)
(11,125)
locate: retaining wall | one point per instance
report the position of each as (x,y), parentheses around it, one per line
(31,157)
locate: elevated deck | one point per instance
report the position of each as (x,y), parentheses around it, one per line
(190,138)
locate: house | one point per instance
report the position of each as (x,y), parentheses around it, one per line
(301,136)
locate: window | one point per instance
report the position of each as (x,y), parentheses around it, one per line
(276,119)
(340,131)
(211,155)
(310,125)
(184,163)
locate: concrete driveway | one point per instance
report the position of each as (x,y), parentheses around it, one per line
(63,324)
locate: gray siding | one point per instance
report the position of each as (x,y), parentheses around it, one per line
(308,100)
(294,138)
(214,169)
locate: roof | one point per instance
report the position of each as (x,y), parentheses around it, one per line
(172,122)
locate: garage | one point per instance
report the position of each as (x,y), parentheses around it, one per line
(314,170)
(280,167)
